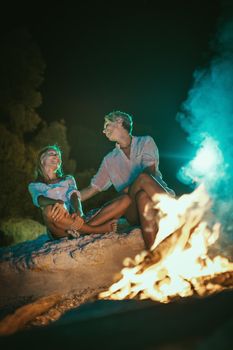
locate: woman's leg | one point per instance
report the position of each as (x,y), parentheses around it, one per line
(60,227)
(111,210)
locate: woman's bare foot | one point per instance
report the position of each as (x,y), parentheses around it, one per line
(114,225)
(110,226)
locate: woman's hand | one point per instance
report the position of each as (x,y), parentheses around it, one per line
(74,215)
(58,211)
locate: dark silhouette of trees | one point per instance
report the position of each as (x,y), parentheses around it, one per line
(56,132)
(22,130)
(21,68)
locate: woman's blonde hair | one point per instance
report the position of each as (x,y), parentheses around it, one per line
(39,173)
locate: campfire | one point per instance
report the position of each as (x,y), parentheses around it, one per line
(182,260)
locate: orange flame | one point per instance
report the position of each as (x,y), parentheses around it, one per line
(179,256)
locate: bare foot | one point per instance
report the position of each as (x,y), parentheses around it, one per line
(111,226)
(114,225)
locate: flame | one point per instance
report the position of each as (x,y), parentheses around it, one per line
(179,258)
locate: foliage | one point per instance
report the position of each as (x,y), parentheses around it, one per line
(18,230)
(16,169)
(55,133)
(22,130)
(21,70)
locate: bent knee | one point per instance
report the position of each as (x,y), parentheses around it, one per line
(140,179)
(126,200)
(141,195)
(143,177)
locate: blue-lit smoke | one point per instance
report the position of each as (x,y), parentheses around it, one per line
(207,117)
(207,166)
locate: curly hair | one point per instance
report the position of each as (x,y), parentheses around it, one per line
(127,120)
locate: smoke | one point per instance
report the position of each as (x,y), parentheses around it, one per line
(207,117)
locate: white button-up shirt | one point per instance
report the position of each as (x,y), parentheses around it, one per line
(120,171)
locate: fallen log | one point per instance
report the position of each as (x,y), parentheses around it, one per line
(224,279)
(16,321)
(35,269)
(131,324)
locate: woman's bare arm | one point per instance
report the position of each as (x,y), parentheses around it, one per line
(88,192)
(58,210)
(44,201)
(76,204)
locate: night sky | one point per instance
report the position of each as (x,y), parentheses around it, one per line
(134,56)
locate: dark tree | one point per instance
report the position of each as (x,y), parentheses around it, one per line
(22,130)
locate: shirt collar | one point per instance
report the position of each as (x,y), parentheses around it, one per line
(118,146)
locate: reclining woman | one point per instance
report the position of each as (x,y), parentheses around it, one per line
(57,196)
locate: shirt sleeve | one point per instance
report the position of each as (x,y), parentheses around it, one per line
(101,180)
(72,187)
(150,153)
(37,189)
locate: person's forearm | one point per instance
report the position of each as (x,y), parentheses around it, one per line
(76,204)
(88,192)
(44,201)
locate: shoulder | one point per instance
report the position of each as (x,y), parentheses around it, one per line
(36,185)
(144,140)
(68,178)
(111,155)
(31,185)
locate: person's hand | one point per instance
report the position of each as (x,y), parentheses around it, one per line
(58,211)
(74,215)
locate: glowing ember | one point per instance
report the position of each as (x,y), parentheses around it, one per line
(178,261)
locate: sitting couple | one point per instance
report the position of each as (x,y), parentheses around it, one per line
(132,167)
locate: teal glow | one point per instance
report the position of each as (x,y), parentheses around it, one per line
(207,118)
(207,159)
(207,165)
